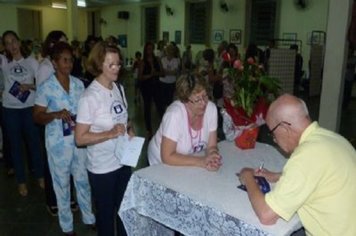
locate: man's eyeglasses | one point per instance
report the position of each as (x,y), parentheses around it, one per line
(202,99)
(279,124)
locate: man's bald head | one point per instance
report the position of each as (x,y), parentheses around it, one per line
(288,108)
(292,110)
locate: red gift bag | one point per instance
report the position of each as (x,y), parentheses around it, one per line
(238,115)
(261,107)
(247,139)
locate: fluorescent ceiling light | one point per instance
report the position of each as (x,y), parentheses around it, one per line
(81,3)
(63,5)
(59,5)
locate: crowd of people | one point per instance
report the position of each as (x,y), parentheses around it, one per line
(70,140)
(70,110)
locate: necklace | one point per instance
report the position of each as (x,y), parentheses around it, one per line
(190,130)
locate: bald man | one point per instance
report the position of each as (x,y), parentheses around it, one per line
(318,181)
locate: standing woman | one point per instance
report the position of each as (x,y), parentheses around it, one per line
(45,71)
(148,74)
(102,117)
(18,100)
(56,106)
(167,83)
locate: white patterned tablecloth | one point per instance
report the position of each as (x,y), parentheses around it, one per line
(197,202)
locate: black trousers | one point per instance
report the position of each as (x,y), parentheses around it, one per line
(150,93)
(166,93)
(108,190)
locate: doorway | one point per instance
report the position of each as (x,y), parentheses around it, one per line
(29,24)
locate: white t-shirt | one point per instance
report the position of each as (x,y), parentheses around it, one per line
(175,126)
(18,72)
(45,70)
(170,65)
(102,108)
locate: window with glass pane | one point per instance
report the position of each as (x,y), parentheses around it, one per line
(262,21)
(151,24)
(198,19)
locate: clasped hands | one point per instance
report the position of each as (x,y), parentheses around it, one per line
(212,161)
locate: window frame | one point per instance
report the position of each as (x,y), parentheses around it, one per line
(144,38)
(249,18)
(207,25)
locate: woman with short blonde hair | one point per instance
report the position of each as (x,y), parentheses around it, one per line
(188,128)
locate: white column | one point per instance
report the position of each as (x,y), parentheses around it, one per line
(334,63)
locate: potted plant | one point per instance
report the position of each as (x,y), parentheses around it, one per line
(253,90)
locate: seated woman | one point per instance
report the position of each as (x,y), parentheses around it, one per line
(188,127)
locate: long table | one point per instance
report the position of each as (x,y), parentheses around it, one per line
(194,201)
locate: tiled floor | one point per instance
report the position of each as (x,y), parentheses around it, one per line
(27,216)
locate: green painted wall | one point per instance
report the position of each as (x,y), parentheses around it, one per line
(52,19)
(303,22)
(131,27)
(8,15)
(291,20)
(234,19)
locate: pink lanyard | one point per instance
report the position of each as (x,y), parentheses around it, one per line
(191,133)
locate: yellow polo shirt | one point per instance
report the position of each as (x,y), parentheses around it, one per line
(319,184)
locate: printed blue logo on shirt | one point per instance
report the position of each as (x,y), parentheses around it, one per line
(118,109)
(118,112)
(199,147)
(18,70)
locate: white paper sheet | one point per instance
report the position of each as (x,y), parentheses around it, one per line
(128,150)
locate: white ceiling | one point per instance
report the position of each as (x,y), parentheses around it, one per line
(90,3)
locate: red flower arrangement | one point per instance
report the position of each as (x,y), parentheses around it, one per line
(253,92)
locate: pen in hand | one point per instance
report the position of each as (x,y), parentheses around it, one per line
(261,167)
(258,170)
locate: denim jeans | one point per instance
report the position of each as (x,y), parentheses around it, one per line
(19,124)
